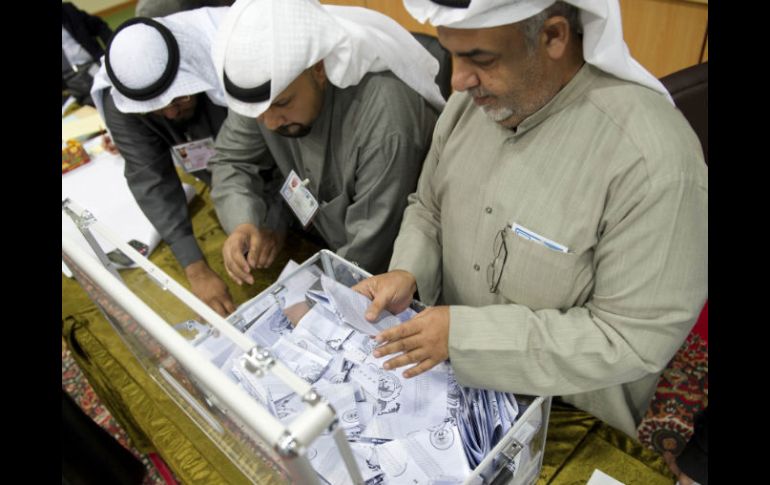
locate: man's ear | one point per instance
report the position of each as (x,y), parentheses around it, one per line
(556,34)
(318,72)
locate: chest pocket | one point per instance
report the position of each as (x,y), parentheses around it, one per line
(330,220)
(536,276)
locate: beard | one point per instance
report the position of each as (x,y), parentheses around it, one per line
(511,108)
(498,113)
(294,130)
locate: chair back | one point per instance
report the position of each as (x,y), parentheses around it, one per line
(689,89)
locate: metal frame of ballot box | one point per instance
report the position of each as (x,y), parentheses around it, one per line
(240,426)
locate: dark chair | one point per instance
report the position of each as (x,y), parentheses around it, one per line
(444,76)
(689,88)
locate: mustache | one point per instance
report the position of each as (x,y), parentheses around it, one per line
(478,92)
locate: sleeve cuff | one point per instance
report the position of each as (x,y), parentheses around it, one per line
(186,250)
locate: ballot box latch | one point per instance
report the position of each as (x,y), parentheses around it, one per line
(258,361)
(513,449)
(287,445)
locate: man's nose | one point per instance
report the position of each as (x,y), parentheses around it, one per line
(171,112)
(270,119)
(463,78)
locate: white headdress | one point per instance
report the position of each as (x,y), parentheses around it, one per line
(149,62)
(603,44)
(263,45)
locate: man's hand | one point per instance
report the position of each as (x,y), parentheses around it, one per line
(423,340)
(248,248)
(109,145)
(392,291)
(209,287)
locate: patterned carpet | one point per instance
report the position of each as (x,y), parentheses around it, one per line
(77,387)
(682,392)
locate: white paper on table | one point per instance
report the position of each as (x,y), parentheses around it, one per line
(100,187)
(598,477)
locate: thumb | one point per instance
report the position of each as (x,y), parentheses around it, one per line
(374,310)
(253,254)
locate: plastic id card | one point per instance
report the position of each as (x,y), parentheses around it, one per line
(195,155)
(299,198)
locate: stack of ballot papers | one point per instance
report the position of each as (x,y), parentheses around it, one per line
(422,430)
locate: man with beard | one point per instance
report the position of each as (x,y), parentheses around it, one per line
(156,91)
(343,101)
(560,222)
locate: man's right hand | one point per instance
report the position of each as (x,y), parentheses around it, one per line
(392,291)
(247,248)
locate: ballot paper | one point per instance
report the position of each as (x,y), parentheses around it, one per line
(424,457)
(426,429)
(326,460)
(269,327)
(342,398)
(350,306)
(484,416)
(317,322)
(299,283)
(303,358)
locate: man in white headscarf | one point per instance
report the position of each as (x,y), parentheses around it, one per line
(157,90)
(560,222)
(343,101)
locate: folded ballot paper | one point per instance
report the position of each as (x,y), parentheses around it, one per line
(423,430)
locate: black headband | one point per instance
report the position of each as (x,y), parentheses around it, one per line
(169,74)
(453,3)
(247,95)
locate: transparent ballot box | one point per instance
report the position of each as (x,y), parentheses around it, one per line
(287,388)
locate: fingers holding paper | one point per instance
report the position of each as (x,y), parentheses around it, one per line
(423,341)
(392,291)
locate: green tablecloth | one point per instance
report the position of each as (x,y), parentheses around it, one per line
(576,444)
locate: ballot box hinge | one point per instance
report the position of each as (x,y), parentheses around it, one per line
(513,449)
(258,361)
(287,445)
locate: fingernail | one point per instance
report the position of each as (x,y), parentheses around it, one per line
(386,366)
(376,353)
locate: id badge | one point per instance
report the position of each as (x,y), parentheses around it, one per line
(195,155)
(299,198)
